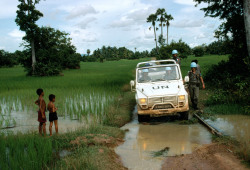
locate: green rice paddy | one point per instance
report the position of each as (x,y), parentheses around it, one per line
(95,92)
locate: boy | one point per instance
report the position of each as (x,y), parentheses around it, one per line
(41,112)
(52,113)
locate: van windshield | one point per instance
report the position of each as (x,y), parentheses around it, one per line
(155,74)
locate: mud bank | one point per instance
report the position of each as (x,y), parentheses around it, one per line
(208,157)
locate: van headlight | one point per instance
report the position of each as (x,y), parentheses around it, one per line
(182,97)
(143,101)
(181,100)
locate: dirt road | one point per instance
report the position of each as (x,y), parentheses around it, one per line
(188,147)
(208,157)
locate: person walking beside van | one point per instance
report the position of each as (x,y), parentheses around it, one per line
(175,57)
(198,66)
(194,83)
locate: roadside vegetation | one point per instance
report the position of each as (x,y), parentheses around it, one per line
(98,93)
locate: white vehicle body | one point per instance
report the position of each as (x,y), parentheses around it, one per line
(163,92)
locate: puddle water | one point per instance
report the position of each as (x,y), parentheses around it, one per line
(141,141)
(27,122)
(237,126)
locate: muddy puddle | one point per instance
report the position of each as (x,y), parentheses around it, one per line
(142,141)
(237,126)
(27,122)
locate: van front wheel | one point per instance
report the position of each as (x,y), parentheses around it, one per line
(185,115)
(143,118)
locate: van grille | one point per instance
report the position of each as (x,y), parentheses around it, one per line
(161,100)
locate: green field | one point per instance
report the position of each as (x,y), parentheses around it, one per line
(89,90)
(97,89)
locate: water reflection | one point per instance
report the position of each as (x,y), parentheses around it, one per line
(142,140)
(237,126)
(27,122)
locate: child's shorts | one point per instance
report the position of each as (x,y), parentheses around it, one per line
(53,116)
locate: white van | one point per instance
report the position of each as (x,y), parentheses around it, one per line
(159,90)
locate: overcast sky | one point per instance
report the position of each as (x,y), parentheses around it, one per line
(94,23)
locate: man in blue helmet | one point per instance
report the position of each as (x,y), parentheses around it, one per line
(175,57)
(194,83)
(144,76)
(170,75)
(198,66)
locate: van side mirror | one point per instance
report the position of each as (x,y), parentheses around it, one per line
(132,84)
(186,79)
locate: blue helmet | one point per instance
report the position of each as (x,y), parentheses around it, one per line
(145,70)
(168,68)
(174,52)
(193,64)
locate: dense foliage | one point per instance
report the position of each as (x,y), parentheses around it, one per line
(113,53)
(8,59)
(54,53)
(183,49)
(198,51)
(218,47)
(231,76)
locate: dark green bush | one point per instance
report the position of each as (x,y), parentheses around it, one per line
(8,59)
(198,51)
(165,52)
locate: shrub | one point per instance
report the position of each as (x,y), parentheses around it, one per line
(8,59)
(198,51)
(165,52)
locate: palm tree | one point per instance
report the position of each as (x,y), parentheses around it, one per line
(88,51)
(246,6)
(167,19)
(153,18)
(161,12)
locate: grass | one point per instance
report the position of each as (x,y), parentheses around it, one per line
(224,109)
(97,89)
(100,90)
(89,90)
(205,62)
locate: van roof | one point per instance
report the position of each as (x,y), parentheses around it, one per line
(155,63)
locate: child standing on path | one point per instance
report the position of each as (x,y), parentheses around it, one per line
(41,112)
(52,113)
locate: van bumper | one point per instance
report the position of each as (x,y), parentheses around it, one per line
(162,112)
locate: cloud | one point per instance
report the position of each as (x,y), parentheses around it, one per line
(185,2)
(184,23)
(140,15)
(2,47)
(84,23)
(8,8)
(83,36)
(81,11)
(16,34)
(134,17)
(122,23)
(148,34)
